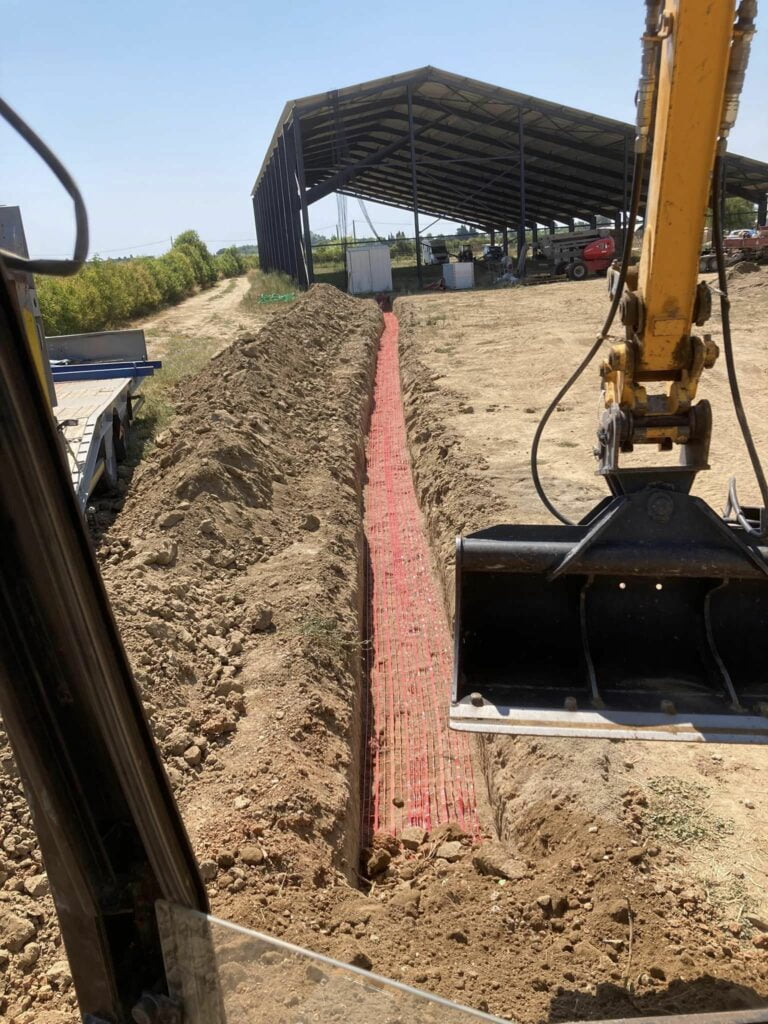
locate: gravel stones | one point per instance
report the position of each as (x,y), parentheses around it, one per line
(15,931)
(450,851)
(413,837)
(492,858)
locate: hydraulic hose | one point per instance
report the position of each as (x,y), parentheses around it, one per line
(730,363)
(637,185)
(645,106)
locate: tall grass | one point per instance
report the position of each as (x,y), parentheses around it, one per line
(275,283)
(107,293)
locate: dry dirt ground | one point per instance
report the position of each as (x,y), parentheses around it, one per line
(478,371)
(613,880)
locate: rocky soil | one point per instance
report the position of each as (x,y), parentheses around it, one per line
(234,568)
(653,856)
(233,573)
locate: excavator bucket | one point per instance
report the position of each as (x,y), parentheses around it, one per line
(647,620)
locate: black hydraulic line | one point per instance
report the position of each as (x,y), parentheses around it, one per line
(645,111)
(730,363)
(55,268)
(637,185)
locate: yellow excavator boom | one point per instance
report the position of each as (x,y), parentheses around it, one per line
(648,618)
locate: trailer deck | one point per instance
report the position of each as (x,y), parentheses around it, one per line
(96,378)
(85,411)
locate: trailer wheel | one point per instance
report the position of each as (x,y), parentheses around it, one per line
(579,271)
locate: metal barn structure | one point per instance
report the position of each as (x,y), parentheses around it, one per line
(454,148)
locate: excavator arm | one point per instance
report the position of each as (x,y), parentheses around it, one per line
(648,618)
(698,53)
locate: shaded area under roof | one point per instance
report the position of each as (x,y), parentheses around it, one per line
(454,148)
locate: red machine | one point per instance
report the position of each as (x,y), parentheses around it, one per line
(578,254)
(595,256)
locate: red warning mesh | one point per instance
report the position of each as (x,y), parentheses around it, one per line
(419,772)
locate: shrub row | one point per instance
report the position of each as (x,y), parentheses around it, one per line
(107,293)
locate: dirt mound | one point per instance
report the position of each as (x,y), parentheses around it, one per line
(233,574)
(743,267)
(746,275)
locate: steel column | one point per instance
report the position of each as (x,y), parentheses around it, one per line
(521,182)
(256,221)
(283,199)
(272,207)
(762,211)
(291,263)
(298,143)
(268,217)
(414,187)
(295,203)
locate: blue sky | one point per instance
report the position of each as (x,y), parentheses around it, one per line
(163,110)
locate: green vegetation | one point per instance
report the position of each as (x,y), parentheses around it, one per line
(328,637)
(678,812)
(107,293)
(738,213)
(265,284)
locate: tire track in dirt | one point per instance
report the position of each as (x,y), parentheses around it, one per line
(214,312)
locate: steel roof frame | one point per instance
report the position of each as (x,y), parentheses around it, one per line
(451,147)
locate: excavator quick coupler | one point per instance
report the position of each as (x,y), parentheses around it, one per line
(647,620)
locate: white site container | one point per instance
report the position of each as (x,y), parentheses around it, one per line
(459,275)
(369,269)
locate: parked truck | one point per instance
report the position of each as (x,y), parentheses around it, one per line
(741,244)
(92,381)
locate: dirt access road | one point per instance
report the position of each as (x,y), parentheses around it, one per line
(211,314)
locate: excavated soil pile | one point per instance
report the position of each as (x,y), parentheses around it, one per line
(233,572)
(604,915)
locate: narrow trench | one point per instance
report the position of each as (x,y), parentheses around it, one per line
(416,771)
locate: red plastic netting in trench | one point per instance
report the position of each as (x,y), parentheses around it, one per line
(418,771)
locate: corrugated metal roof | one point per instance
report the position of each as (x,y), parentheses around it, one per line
(576,164)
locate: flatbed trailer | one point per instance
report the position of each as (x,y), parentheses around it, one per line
(91,380)
(96,379)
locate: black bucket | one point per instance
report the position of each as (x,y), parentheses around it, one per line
(647,620)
